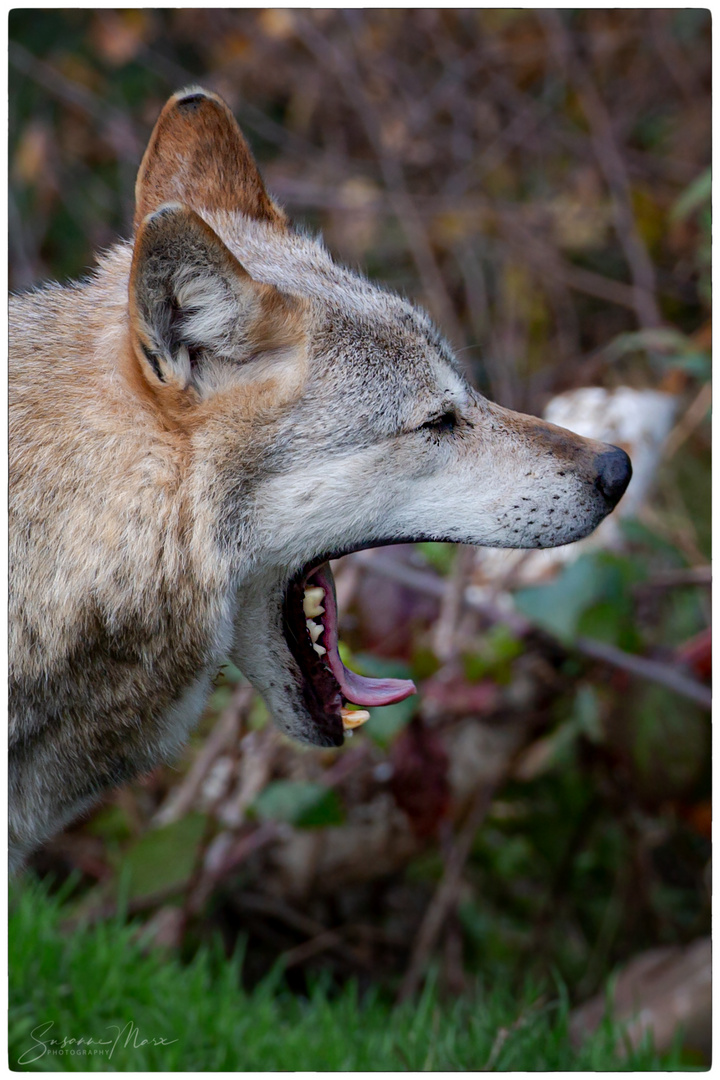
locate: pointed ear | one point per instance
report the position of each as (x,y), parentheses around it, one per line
(194,309)
(198,156)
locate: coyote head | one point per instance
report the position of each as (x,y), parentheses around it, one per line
(324,415)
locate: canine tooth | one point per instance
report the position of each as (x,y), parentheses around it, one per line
(319,650)
(353,718)
(312,605)
(314,629)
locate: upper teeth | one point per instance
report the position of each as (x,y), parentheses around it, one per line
(312,605)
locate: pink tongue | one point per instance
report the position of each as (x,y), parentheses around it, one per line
(355,688)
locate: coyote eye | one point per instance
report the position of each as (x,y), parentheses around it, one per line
(445,421)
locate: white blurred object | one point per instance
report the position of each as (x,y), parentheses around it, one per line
(640,422)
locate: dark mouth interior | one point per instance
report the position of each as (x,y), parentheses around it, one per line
(321,690)
(327,685)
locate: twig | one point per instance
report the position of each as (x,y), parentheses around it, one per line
(668,49)
(445,631)
(327,940)
(503,1032)
(664,674)
(345,766)
(225,732)
(651,670)
(215,853)
(320,937)
(545,260)
(613,168)
(675,579)
(206,878)
(689,422)
(113,121)
(272,907)
(446,892)
(24,255)
(326,51)
(135,906)
(564,133)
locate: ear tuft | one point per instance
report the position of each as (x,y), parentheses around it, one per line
(196,315)
(198,156)
(191,101)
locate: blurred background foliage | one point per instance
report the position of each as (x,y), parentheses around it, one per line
(539,180)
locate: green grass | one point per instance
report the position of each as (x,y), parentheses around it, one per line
(153,1013)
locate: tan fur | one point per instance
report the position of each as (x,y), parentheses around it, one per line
(197,146)
(218,406)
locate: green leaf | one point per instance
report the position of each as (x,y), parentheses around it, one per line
(693,197)
(697,364)
(231,674)
(494,656)
(503,644)
(220,699)
(637,533)
(300,803)
(611,621)
(163,858)
(386,721)
(587,714)
(378,667)
(669,348)
(111,823)
(662,339)
(595,580)
(557,607)
(670,742)
(259,716)
(440,556)
(424,662)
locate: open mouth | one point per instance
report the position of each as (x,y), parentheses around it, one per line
(310,626)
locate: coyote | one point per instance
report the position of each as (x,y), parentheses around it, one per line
(196,431)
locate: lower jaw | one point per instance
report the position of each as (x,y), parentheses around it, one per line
(327,685)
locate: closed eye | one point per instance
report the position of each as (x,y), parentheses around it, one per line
(444,422)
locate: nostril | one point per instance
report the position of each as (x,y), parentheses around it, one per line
(614,472)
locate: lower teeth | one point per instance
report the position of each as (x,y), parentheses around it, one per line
(312,608)
(352,718)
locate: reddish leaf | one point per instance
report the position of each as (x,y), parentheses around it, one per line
(459,697)
(420,778)
(697,654)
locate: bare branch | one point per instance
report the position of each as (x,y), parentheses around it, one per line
(652,670)
(613,168)
(393,174)
(446,893)
(225,733)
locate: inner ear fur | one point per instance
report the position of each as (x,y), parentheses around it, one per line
(191,303)
(198,156)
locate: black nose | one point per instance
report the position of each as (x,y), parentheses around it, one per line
(614,472)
